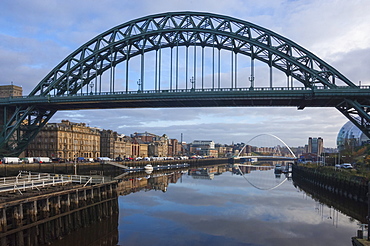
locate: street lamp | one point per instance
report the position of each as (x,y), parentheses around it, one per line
(251,79)
(91,86)
(75,157)
(139,85)
(192,81)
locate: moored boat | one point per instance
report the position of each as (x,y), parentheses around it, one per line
(148,167)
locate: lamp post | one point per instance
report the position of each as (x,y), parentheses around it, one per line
(192,81)
(91,86)
(139,85)
(75,153)
(251,79)
(64,153)
(75,164)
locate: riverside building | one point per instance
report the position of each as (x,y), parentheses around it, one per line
(315,145)
(350,136)
(115,146)
(203,148)
(157,145)
(66,140)
(8,91)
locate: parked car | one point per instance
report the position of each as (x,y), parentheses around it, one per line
(346,166)
(41,160)
(10,160)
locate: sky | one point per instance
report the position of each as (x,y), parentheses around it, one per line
(36,35)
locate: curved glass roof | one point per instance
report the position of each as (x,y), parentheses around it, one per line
(350,132)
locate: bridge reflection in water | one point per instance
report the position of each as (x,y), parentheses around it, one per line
(157,207)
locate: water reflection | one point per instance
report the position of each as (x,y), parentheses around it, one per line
(356,210)
(242,169)
(99,234)
(216,205)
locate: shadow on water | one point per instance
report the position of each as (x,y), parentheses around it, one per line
(102,233)
(354,209)
(106,232)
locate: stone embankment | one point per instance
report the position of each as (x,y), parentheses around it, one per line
(90,168)
(349,187)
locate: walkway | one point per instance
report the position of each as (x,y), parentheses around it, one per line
(28,180)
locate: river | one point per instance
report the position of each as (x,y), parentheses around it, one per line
(216,205)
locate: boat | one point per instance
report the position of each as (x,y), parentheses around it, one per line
(148,167)
(278,169)
(148,171)
(287,169)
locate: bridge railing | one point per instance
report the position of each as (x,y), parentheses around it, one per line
(249,89)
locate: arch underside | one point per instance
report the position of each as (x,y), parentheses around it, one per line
(171,30)
(160,31)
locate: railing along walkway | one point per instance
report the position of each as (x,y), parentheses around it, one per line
(28,180)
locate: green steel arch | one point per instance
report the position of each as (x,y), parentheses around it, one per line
(159,31)
(155,32)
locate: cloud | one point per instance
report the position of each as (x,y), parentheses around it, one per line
(35,37)
(223,126)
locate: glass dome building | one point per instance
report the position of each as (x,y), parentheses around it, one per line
(350,135)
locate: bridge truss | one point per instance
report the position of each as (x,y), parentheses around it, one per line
(89,77)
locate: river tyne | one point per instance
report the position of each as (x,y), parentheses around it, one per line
(216,205)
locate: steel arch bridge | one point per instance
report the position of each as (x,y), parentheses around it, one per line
(174,60)
(270,135)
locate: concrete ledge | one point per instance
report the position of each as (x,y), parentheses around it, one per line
(360,242)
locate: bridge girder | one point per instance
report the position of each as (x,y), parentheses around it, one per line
(160,31)
(357,112)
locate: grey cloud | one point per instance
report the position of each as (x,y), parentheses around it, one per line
(232,124)
(351,64)
(35,38)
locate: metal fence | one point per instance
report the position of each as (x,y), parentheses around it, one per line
(28,180)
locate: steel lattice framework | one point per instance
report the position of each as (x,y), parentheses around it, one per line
(168,30)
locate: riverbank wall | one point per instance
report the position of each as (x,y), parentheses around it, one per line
(357,210)
(355,189)
(43,218)
(90,168)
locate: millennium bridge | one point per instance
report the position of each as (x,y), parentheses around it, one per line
(182,59)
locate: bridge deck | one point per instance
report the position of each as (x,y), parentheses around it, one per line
(266,96)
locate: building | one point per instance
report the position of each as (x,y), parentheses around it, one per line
(350,136)
(114,145)
(174,148)
(66,140)
(10,91)
(157,146)
(203,148)
(224,150)
(315,145)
